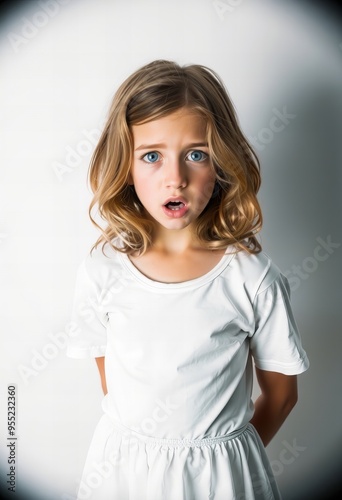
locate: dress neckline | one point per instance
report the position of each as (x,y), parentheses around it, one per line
(193,283)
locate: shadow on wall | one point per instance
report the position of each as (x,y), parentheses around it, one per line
(303,212)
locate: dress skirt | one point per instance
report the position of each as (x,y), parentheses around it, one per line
(123,464)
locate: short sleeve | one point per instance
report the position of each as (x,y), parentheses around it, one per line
(276,343)
(87,329)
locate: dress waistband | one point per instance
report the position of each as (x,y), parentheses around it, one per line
(175,443)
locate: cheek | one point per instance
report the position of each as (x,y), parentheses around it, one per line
(206,187)
(143,186)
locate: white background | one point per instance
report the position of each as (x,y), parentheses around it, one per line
(60,68)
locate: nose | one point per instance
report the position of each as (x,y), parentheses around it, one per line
(175,174)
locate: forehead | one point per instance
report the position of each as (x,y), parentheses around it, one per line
(182,123)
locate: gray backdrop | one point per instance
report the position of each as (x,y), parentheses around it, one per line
(61,62)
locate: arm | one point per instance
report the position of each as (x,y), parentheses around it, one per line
(101,367)
(277,399)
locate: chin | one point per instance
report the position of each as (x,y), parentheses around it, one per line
(174,224)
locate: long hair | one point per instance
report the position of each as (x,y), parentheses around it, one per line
(232,216)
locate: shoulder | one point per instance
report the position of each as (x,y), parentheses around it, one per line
(256,271)
(101,263)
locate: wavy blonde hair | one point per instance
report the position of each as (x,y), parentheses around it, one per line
(232,215)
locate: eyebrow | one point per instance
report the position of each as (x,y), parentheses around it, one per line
(163,146)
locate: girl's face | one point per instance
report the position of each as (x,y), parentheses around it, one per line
(171,169)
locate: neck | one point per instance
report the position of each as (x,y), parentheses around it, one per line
(175,241)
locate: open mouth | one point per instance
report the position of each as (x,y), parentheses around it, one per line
(174,205)
(175,208)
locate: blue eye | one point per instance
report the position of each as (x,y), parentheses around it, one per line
(197,156)
(151,157)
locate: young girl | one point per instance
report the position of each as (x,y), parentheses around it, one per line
(179,299)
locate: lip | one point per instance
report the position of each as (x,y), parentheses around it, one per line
(175,214)
(176,198)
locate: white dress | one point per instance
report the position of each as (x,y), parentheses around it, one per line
(178,360)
